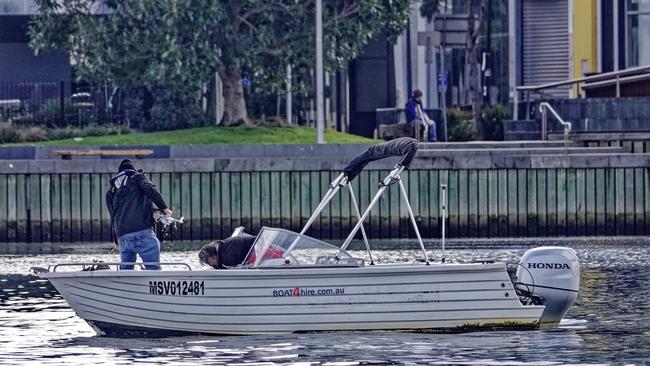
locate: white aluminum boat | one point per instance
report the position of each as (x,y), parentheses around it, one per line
(315,286)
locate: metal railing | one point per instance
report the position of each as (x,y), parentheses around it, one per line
(544,107)
(618,77)
(61,103)
(86,266)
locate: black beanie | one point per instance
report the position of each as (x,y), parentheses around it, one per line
(124,165)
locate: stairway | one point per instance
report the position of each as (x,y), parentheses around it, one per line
(514,148)
(521,130)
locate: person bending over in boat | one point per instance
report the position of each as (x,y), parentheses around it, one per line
(231,252)
(130,201)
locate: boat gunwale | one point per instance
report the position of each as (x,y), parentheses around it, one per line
(379,269)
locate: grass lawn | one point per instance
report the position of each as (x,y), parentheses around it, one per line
(216,135)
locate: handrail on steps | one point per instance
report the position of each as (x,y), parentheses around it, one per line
(617,77)
(543,108)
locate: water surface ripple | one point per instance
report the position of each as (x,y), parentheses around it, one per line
(610,324)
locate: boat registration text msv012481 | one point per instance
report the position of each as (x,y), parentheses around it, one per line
(177,288)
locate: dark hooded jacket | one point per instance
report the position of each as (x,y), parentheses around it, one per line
(129,201)
(233,250)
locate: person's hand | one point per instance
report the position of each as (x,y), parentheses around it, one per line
(116,247)
(167,212)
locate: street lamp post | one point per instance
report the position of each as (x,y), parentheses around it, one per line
(289,96)
(320,120)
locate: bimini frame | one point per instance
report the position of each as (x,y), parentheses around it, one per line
(404,147)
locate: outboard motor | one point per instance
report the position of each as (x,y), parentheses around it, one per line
(551,275)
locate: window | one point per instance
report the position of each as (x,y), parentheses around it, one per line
(638,32)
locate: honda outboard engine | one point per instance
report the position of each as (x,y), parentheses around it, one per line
(552,276)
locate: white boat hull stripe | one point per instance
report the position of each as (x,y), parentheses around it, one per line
(301,304)
(497,289)
(312,286)
(309,313)
(299,323)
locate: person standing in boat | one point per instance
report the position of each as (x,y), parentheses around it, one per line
(415,115)
(130,201)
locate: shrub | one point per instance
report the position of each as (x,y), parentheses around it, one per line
(63,133)
(49,113)
(461,125)
(493,117)
(273,122)
(32,134)
(132,107)
(105,130)
(122,129)
(94,130)
(8,134)
(261,103)
(15,134)
(174,110)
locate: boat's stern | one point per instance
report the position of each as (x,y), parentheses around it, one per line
(551,276)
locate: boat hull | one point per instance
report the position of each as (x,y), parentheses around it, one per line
(416,297)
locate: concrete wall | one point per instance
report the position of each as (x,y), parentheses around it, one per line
(196,151)
(604,114)
(631,114)
(534,158)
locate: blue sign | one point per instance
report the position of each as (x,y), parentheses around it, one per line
(442,79)
(246,81)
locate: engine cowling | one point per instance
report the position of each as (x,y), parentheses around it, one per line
(552,273)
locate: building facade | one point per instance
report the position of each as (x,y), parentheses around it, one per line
(386,73)
(20,69)
(555,40)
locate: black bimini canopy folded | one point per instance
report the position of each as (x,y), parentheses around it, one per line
(405,147)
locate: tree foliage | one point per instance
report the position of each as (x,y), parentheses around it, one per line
(174,47)
(429,8)
(478,8)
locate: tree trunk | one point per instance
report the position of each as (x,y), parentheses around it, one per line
(474,68)
(233,94)
(474,91)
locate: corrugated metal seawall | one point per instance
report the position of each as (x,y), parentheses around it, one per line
(65,207)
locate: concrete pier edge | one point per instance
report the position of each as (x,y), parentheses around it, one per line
(421,162)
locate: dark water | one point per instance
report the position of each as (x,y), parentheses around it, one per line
(610,324)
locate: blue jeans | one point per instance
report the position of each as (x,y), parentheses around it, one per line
(432,135)
(143,243)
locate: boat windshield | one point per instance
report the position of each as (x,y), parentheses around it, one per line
(278,247)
